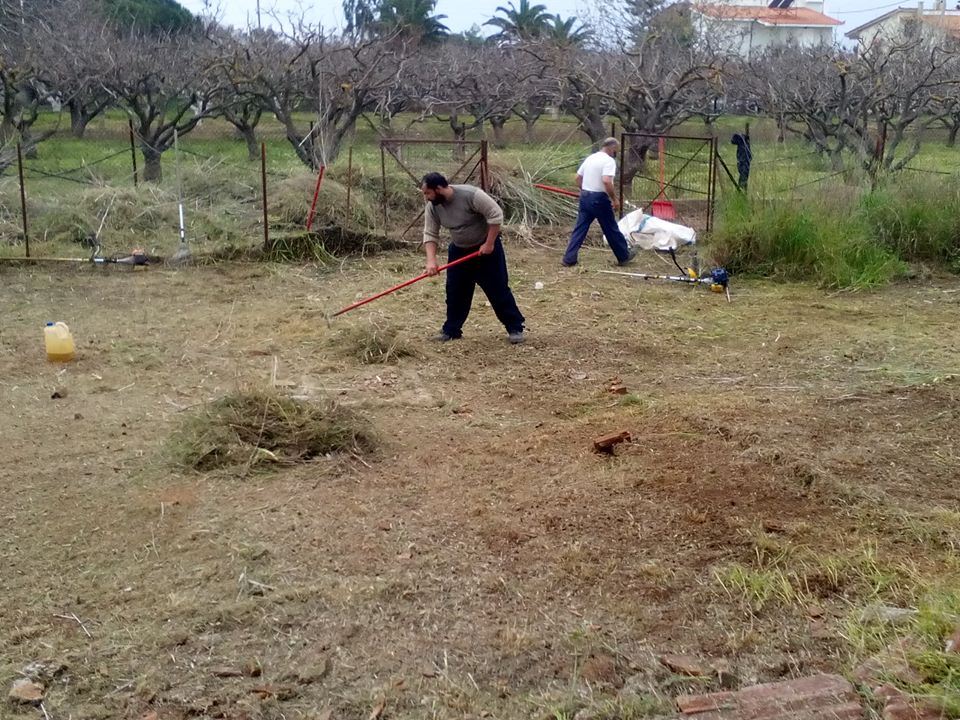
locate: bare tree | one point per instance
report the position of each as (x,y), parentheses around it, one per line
(537,87)
(484,84)
(945,101)
(302,68)
(167,84)
(867,108)
(650,89)
(22,91)
(73,59)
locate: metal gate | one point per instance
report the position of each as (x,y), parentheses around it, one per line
(460,161)
(677,173)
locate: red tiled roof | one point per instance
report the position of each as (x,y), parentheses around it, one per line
(766,15)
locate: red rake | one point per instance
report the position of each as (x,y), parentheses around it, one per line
(316,194)
(402,285)
(662,208)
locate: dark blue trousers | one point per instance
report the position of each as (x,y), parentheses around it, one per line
(490,273)
(596,206)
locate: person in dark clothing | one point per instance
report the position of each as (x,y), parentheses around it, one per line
(744,158)
(473,219)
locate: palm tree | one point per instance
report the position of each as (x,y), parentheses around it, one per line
(361,17)
(566,34)
(520,23)
(413,18)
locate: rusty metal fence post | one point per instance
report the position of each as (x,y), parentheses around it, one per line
(349,177)
(133,153)
(23,199)
(263,181)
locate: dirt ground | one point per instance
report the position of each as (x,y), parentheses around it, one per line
(793,459)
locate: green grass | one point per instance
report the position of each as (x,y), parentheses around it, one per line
(917,220)
(784,575)
(938,616)
(801,242)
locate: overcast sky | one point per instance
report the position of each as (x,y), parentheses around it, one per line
(462,14)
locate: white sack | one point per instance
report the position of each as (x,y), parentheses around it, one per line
(651,233)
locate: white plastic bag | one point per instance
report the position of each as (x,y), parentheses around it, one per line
(651,233)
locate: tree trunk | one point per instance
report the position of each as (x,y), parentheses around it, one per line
(78,119)
(594,128)
(952,134)
(152,169)
(836,159)
(459,135)
(497,124)
(635,162)
(529,122)
(250,138)
(30,151)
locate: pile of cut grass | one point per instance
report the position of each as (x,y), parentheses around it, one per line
(372,345)
(248,427)
(335,231)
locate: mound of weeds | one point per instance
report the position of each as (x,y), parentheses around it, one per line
(372,346)
(248,427)
(334,231)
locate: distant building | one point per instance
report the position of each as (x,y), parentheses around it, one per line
(747,27)
(934,20)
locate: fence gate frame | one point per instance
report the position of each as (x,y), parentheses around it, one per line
(711,143)
(394,147)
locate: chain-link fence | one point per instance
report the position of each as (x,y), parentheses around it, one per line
(459,161)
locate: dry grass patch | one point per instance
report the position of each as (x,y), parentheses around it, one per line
(373,345)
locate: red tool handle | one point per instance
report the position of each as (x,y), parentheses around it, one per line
(559,191)
(405,284)
(661,148)
(316,194)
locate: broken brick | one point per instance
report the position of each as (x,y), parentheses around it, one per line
(818,697)
(606,443)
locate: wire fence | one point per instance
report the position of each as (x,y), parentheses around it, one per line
(86,192)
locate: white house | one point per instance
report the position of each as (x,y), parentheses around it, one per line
(896,24)
(749,26)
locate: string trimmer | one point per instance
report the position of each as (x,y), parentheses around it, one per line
(718,280)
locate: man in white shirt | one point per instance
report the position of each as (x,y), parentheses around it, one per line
(598,198)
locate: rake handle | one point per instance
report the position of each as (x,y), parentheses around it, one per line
(316,194)
(405,284)
(559,191)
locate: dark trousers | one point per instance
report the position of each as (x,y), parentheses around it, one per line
(490,273)
(596,206)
